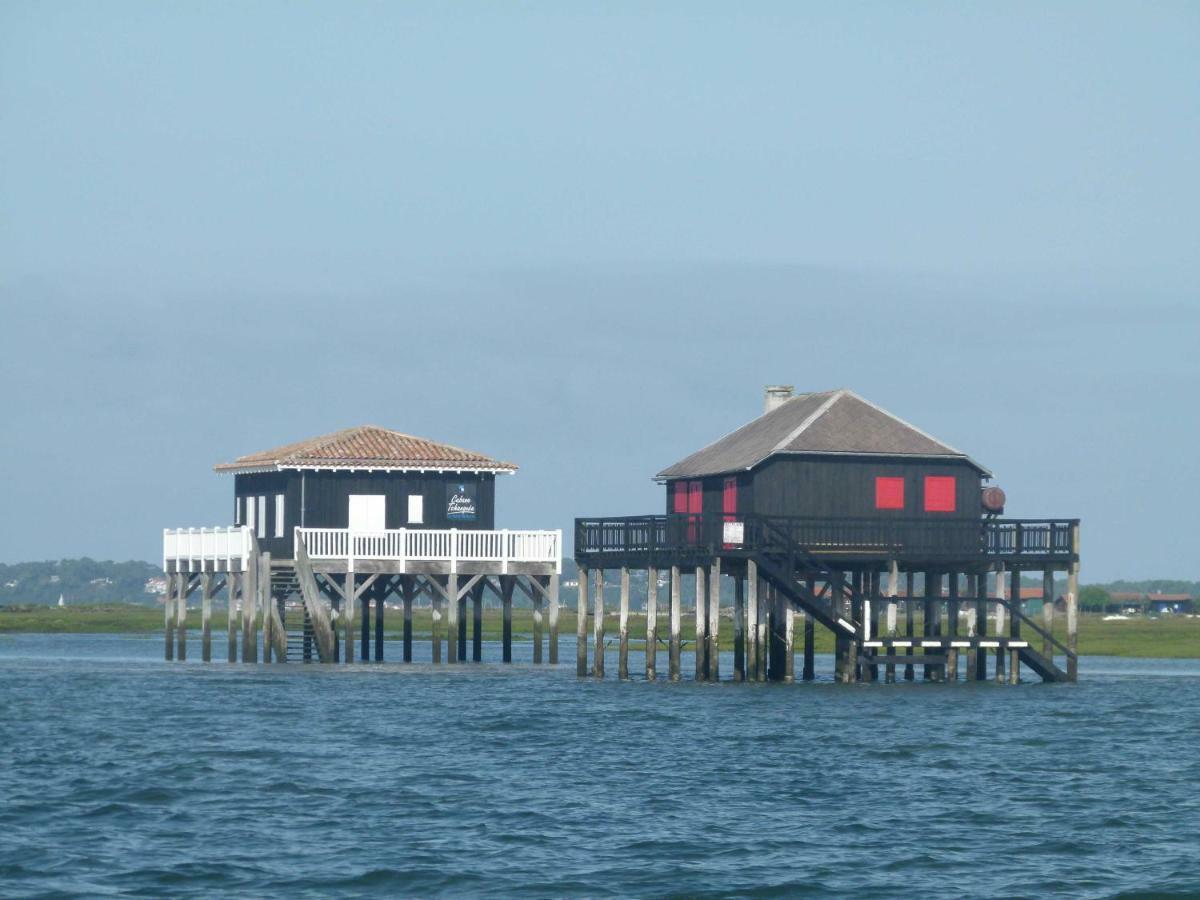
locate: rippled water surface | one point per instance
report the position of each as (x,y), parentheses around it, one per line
(122,773)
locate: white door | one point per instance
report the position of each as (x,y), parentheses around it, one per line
(368,512)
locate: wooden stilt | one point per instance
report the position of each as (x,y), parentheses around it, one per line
(581,614)
(870,617)
(623,627)
(1048,613)
(181,619)
(451,602)
(673,648)
(952,628)
(930,615)
(651,623)
(349,608)
(809,672)
(739,628)
(169,615)
(972,628)
(598,623)
(1014,625)
(250,609)
(408,593)
(1073,610)
(701,610)
(713,654)
(364,607)
(753,649)
(436,598)
(232,581)
(893,589)
(206,581)
(507,584)
(554,619)
(1000,621)
(461,603)
(380,605)
(981,624)
(477,622)
(538,601)
(789,655)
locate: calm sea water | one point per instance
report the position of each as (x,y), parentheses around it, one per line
(120,773)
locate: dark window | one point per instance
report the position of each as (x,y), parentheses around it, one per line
(939,493)
(889,493)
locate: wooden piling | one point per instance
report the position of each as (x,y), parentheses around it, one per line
(809,672)
(181,619)
(1014,626)
(598,623)
(764,628)
(462,628)
(1073,612)
(1000,620)
(789,647)
(553,619)
(251,597)
(408,593)
(507,584)
(701,610)
(753,649)
(380,604)
(169,616)
(450,602)
(893,590)
(266,605)
(651,623)
(623,627)
(477,622)
(972,627)
(349,609)
(675,615)
(581,614)
(537,626)
(437,601)
(739,628)
(364,609)
(1048,613)
(231,591)
(206,581)
(713,654)
(952,628)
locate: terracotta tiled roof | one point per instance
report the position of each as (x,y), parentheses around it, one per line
(367,447)
(831,422)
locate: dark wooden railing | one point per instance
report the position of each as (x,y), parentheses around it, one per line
(692,534)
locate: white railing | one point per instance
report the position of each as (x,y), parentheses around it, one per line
(448,545)
(192,548)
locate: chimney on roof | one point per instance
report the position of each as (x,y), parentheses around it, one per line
(777,395)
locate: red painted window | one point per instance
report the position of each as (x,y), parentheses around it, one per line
(939,493)
(680,498)
(889,493)
(695,497)
(729,496)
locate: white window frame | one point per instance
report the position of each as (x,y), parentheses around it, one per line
(262,515)
(279,515)
(251,521)
(237,510)
(369,507)
(416,509)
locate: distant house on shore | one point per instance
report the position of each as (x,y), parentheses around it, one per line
(1150,603)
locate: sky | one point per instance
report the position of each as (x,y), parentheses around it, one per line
(584,237)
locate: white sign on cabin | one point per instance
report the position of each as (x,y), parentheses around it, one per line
(733,532)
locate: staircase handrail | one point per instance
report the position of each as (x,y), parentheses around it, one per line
(1016,611)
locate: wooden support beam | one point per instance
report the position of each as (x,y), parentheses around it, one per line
(451,601)
(380,605)
(1014,626)
(673,650)
(764,629)
(206,594)
(739,628)
(364,608)
(623,627)
(701,610)
(893,590)
(1000,626)
(1073,608)
(252,603)
(232,583)
(169,615)
(408,594)
(753,649)
(651,623)
(981,624)
(347,610)
(581,614)
(952,627)
(181,618)
(507,583)
(789,649)
(538,601)
(461,605)
(477,622)
(553,600)
(712,655)
(933,589)
(910,628)
(598,622)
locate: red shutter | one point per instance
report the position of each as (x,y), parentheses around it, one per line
(889,493)
(695,497)
(679,488)
(940,493)
(729,496)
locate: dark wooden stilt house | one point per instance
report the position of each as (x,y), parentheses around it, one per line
(345,523)
(821,506)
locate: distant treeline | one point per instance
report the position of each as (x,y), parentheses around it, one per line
(103,581)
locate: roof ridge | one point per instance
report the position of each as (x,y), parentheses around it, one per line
(906,424)
(834,397)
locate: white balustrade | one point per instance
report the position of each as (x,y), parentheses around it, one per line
(195,549)
(447,545)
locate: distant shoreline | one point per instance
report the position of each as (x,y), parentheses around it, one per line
(1163,638)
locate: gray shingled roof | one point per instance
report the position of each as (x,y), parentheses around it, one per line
(829,422)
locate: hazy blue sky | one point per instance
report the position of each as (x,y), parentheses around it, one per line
(585,240)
